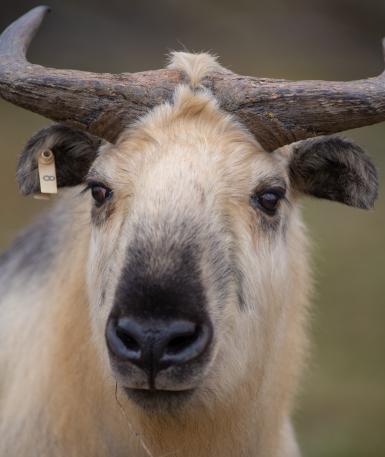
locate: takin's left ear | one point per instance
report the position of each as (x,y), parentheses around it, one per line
(335,169)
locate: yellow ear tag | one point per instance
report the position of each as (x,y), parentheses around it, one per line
(47,172)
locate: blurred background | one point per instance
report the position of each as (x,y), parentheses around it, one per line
(341,409)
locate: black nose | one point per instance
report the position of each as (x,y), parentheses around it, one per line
(156,344)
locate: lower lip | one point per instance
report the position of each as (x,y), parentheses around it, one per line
(159,399)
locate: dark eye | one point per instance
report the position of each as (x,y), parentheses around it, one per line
(100,193)
(268,200)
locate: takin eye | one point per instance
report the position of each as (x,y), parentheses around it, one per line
(100,193)
(268,200)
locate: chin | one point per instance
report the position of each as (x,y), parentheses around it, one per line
(160,401)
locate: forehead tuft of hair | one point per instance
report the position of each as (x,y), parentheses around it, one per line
(193,107)
(195,66)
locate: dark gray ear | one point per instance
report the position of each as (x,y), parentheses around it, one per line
(335,169)
(74,152)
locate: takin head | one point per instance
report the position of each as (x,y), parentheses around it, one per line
(197,270)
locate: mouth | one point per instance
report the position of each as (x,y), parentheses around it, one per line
(161,401)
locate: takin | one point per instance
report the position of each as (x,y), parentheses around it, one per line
(159,307)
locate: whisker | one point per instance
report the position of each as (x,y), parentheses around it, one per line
(137,435)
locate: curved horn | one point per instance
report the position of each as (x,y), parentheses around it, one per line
(277,112)
(101,103)
(280,112)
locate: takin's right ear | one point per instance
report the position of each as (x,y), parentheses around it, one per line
(74,152)
(334,168)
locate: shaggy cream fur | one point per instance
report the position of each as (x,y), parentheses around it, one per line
(184,161)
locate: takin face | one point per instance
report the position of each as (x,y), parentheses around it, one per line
(197,272)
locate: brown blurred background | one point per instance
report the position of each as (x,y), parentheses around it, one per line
(341,410)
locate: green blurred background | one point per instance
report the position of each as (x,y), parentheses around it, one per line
(341,409)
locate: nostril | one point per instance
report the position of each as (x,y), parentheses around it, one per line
(122,341)
(186,342)
(129,342)
(181,342)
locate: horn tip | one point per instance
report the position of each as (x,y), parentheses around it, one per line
(41,10)
(35,14)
